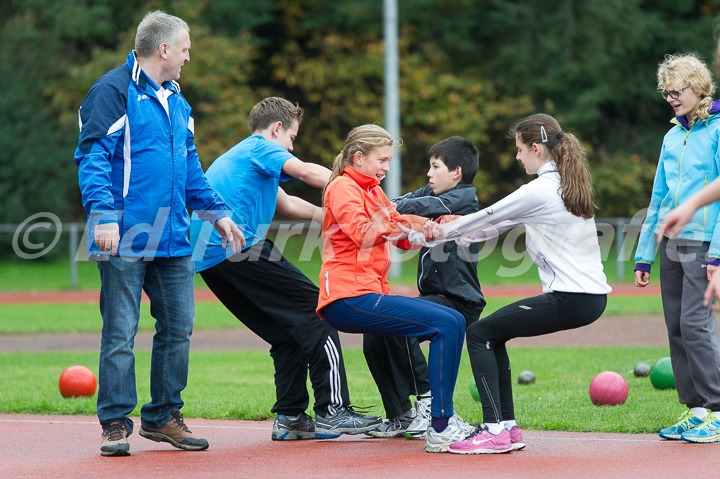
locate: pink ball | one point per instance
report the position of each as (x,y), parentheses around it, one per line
(608,389)
(77,381)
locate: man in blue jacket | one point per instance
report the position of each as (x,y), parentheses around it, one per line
(139,172)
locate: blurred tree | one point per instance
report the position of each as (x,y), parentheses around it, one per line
(340,78)
(622,184)
(585,60)
(468,67)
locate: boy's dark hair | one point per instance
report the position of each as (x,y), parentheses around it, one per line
(269,110)
(457,151)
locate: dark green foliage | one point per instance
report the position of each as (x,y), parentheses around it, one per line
(468,67)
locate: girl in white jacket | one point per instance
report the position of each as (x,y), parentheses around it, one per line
(557,211)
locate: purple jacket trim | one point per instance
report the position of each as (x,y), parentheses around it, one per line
(643,267)
(715,108)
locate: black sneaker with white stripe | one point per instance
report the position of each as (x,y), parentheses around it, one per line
(288,429)
(344,421)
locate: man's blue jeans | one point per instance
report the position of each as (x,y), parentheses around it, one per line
(168,282)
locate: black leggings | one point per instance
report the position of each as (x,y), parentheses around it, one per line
(529,317)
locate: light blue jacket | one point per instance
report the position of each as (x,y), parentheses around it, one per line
(138,165)
(689,161)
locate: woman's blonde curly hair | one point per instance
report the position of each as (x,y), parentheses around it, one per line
(677,71)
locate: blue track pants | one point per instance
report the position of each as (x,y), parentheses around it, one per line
(411,317)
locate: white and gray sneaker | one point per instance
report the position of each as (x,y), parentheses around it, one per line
(466,427)
(418,428)
(394,427)
(439,441)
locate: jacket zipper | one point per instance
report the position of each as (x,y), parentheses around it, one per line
(387,255)
(682,155)
(705,207)
(553,272)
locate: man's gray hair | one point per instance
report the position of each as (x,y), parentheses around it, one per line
(156,28)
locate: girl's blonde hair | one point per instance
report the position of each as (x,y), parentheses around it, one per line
(363,138)
(677,71)
(569,156)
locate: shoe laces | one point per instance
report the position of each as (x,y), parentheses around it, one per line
(115,431)
(476,431)
(179,421)
(462,424)
(708,420)
(358,411)
(422,406)
(397,424)
(684,419)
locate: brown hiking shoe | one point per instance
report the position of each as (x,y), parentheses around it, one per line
(114,440)
(176,433)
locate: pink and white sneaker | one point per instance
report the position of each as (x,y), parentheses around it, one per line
(483,442)
(516,438)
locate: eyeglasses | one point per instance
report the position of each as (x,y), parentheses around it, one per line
(674,94)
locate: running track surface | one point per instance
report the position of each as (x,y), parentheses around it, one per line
(68,446)
(62,447)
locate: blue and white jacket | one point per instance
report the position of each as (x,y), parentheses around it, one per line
(138,165)
(689,160)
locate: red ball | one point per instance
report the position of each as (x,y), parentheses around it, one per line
(608,388)
(77,381)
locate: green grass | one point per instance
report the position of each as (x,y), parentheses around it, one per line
(85,317)
(239,385)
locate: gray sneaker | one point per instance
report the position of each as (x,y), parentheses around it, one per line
(114,440)
(418,428)
(286,429)
(344,421)
(392,427)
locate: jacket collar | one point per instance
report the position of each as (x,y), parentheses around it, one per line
(548,167)
(682,121)
(144,81)
(360,178)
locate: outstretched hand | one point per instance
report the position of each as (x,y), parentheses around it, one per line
(432,231)
(229,232)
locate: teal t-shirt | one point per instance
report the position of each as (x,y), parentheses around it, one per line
(247,178)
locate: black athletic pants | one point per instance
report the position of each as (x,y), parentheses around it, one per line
(276,301)
(398,365)
(529,317)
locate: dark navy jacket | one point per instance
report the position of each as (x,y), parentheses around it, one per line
(138,166)
(446,269)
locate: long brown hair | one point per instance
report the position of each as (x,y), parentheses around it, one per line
(363,138)
(569,156)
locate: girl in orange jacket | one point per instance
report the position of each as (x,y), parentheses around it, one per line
(354,291)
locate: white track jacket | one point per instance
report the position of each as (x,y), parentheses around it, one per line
(563,246)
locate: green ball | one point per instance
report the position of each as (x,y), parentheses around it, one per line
(661,374)
(473,389)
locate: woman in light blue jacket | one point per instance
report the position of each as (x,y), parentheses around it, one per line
(689,160)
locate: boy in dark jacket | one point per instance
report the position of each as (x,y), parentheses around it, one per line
(447,275)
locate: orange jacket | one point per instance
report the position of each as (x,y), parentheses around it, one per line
(356,257)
